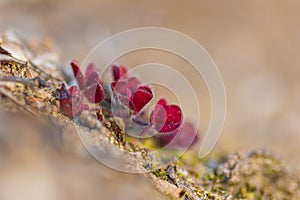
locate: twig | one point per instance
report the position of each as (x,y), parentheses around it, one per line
(25,81)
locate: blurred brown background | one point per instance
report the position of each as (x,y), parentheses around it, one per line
(254,43)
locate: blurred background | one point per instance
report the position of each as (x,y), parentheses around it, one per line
(255,45)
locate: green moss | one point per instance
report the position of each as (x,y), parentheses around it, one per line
(254,175)
(160,173)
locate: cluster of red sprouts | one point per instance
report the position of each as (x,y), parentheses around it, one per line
(166,119)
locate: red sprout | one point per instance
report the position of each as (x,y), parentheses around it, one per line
(141,97)
(78,75)
(130,91)
(71,101)
(90,83)
(94,93)
(166,118)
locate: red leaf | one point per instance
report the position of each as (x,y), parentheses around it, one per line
(94,93)
(78,75)
(119,87)
(162,102)
(90,69)
(64,92)
(145,88)
(141,97)
(92,79)
(166,118)
(118,72)
(132,83)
